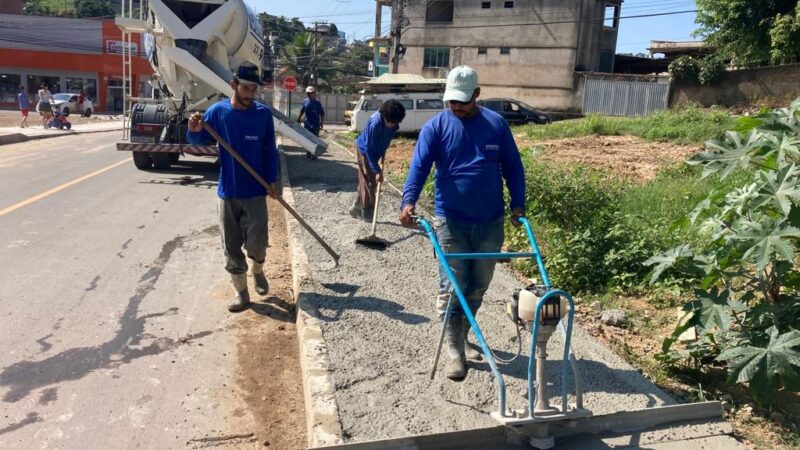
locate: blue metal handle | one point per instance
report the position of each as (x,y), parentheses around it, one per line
(502,255)
(467,312)
(443,258)
(536,252)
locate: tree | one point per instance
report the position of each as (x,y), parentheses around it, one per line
(751,33)
(94,8)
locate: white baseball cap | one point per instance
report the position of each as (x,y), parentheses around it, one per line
(461,84)
(311,89)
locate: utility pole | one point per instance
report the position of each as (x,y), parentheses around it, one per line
(377,49)
(314,50)
(314,58)
(397,29)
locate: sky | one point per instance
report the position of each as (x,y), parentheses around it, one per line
(357,19)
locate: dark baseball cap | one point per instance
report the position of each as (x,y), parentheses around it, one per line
(247,73)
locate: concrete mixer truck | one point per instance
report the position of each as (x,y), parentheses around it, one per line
(193,46)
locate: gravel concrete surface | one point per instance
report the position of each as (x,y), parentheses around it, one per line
(379,323)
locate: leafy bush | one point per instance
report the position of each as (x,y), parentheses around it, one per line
(705,71)
(747,299)
(712,68)
(685,68)
(595,232)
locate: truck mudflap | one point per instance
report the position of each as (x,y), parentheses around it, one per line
(188,149)
(668,427)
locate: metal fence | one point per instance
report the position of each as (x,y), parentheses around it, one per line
(625,95)
(334,104)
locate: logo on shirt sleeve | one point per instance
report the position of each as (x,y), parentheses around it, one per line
(251,138)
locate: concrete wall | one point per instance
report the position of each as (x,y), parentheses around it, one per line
(742,87)
(545,52)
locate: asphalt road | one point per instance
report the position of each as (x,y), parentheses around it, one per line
(112,303)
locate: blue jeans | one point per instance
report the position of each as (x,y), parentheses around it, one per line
(472,275)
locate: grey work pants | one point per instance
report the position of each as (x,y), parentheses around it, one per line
(243,222)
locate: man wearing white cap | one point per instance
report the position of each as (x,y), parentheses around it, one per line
(314,115)
(473,150)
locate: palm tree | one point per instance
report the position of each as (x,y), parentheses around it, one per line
(300,59)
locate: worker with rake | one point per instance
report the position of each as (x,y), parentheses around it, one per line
(473,150)
(370,148)
(242,206)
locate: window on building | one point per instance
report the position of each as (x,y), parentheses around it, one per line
(9,86)
(508,4)
(486,5)
(436,57)
(482,50)
(34,81)
(439,11)
(611,18)
(505,50)
(87,85)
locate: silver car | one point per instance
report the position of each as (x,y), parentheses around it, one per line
(68,103)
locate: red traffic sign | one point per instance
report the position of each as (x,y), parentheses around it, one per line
(289,83)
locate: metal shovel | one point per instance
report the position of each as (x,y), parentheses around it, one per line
(373,241)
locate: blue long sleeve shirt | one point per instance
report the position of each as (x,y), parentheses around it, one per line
(374,140)
(472,158)
(252,134)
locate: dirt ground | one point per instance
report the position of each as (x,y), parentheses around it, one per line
(269,366)
(625,157)
(12,119)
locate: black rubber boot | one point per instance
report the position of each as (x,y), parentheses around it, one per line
(472,351)
(262,285)
(455,367)
(242,299)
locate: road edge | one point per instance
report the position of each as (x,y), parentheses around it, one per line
(16,138)
(323,424)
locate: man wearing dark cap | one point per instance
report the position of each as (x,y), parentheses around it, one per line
(242,207)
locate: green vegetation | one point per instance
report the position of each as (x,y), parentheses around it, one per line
(596,232)
(689,125)
(743,267)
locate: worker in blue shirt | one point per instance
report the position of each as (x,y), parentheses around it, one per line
(370,148)
(473,150)
(314,115)
(242,207)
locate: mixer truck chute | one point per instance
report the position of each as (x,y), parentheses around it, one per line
(194,47)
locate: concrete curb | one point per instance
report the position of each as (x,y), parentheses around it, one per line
(323,425)
(16,138)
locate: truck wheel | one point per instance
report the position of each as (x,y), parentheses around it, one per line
(161,161)
(174,157)
(87,113)
(142,160)
(65,111)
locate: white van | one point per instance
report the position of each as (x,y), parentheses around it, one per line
(420,107)
(421,97)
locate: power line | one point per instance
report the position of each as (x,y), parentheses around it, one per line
(556,22)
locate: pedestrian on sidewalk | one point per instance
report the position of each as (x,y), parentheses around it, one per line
(81,99)
(44,106)
(370,148)
(314,115)
(247,125)
(473,150)
(24,104)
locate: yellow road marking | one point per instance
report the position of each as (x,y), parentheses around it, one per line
(50,192)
